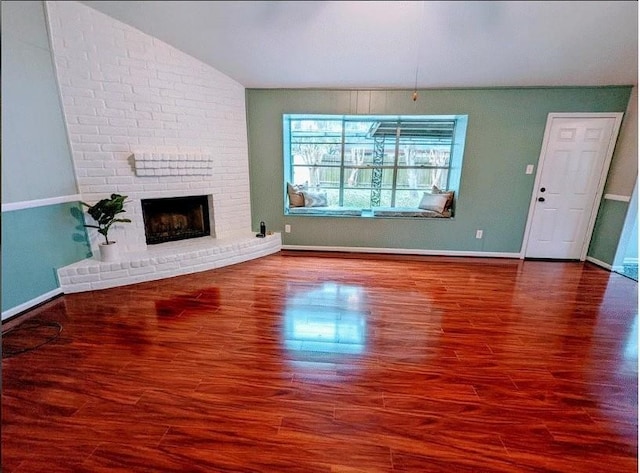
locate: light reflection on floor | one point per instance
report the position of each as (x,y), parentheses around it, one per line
(631,347)
(329,319)
(630,271)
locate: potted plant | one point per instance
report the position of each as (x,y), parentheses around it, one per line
(105,214)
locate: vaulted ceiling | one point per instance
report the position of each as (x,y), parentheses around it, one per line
(398,44)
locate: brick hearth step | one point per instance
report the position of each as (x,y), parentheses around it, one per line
(166,260)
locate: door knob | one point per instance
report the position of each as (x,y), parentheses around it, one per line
(542,189)
(540,199)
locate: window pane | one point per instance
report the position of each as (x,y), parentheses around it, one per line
(333,197)
(421,154)
(425,143)
(422,178)
(356,177)
(363,146)
(385,198)
(314,142)
(317,176)
(361,198)
(406,198)
(370,161)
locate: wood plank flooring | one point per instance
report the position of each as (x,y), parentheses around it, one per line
(304,362)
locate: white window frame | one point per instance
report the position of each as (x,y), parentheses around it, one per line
(453,169)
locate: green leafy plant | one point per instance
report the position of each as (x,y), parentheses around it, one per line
(104,213)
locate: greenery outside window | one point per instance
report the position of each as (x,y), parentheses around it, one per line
(363,163)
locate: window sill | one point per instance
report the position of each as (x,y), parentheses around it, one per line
(378,212)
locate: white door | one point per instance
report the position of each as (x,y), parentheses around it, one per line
(574,161)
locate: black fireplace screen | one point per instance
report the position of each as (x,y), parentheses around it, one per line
(175,218)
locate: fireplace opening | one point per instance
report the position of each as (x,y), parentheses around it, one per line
(175,218)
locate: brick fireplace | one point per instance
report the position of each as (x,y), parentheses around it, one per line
(147,121)
(176,218)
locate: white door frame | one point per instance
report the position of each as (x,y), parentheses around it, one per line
(603,176)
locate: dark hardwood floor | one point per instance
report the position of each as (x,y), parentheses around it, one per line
(302,362)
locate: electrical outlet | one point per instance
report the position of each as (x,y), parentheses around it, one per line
(479,234)
(529,169)
(287,228)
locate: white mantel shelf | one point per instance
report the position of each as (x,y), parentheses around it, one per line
(166,260)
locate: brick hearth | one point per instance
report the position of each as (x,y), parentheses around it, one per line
(166,260)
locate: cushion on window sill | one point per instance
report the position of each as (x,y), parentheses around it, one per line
(434,202)
(436,190)
(314,199)
(296,199)
(324,211)
(409,212)
(377,212)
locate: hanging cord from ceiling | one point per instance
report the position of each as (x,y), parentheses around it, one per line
(28,336)
(414,97)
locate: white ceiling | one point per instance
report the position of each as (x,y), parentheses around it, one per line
(378,44)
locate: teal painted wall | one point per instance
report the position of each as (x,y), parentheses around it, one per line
(623,174)
(504,134)
(607,230)
(36,162)
(35,242)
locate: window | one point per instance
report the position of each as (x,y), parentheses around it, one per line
(370,162)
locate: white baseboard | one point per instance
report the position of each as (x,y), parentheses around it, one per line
(619,198)
(32,303)
(401,251)
(602,264)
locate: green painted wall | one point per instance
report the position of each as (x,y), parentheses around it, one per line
(36,162)
(36,159)
(35,242)
(607,230)
(623,174)
(504,134)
